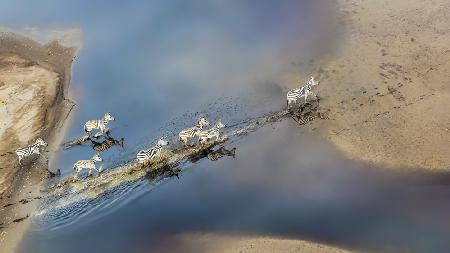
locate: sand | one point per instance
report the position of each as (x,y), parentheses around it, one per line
(34,79)
(222,243)
(387,88)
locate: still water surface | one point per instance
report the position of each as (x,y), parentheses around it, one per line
(157,65)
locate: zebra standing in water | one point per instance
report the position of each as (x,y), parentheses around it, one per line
(189,133)
(305,91)
(31,149)
(206,135)
(155,151)
(87,164)
(101,124)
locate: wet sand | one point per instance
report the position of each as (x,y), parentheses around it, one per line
(34,80)
(387,90)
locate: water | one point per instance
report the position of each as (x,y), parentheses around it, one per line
(157,65)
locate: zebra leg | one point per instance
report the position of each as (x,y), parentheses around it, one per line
(90,172)
(20,160)
(75,168)
(99,170)
(102,128)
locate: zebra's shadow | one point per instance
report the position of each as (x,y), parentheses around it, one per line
(99,142)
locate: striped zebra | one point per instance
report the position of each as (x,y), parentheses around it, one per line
(87,164)
(31,149)
(155,151)
(101,124)
(106,144)
(189,133)
(305,91)
(206,135)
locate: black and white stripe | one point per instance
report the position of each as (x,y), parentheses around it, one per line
(87,164)
(155,151)
(101,124)
(295,94)
(212,133)
(31,149)
(190,133)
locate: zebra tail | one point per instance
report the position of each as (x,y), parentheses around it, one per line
(121,142)
(86,131)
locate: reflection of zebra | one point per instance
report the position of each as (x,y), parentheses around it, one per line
(305,91)
(153,152)
(106,144)
(206,135)
(101,124)
(78,141)
(189,133)
(87,164)
(31,149)
(81,140)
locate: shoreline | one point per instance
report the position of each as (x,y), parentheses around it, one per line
(385,90)
(22,193)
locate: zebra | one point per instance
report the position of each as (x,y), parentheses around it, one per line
(155,151)
(305,91)
(206,135)
(31,149)
(87,164)
(189,133)
(106,144)
(101,124)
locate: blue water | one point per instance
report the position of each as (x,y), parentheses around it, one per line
(148,62)
(157,65)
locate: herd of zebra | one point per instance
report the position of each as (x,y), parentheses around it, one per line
(196,134)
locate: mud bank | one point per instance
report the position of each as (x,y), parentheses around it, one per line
(388,88)
(34,81)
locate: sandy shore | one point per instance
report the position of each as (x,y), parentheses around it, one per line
(34,80)
(388,87)
(219,243)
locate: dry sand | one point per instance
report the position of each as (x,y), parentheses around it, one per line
(388,90)
(219,243)
(33,85)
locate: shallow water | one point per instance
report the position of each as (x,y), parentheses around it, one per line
(157,66)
